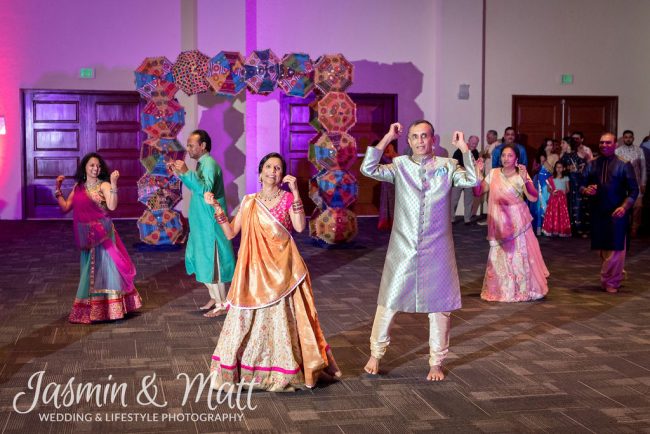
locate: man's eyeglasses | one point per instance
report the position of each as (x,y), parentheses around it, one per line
(606,142)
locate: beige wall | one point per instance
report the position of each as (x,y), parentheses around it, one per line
(603,43)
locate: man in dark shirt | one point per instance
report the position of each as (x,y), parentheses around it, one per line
(612,185)
(509,139)
(469,201)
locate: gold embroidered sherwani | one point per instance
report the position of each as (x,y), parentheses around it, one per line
(420,273)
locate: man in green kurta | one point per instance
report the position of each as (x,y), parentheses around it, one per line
(209,254)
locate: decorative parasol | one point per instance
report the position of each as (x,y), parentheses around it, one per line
(159,192)
(337,188)
(190,70)
(262,70)
(333,151)
(156,153)
(153,68)
(296,74)
(336,112)
(158,90)
(171,113)
(163,129)
(163,108)
(226,73)
(335,225)
(160,227)
(333,73)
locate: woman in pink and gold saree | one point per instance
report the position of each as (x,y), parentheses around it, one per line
(106,291)
(515,267)
(271,335)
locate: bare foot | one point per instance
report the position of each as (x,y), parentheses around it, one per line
(217,311)
(209,304)
(372,367)
(436,374)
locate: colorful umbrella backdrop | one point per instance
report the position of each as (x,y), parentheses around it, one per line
(160,227)
(313,114)
(226,74)
(314,191)
(262,70)
(335,225)
(190,70)
(333,73)
(296,74)
(336,112)
(333,151)
(337,188)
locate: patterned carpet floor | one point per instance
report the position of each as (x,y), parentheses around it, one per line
(577,361)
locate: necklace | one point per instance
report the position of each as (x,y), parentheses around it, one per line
(93,185)
(270,198)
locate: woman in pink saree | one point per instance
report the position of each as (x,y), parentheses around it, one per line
(271,335)
(106,291)
(515,267)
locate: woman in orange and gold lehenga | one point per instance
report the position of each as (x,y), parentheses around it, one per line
(271,335)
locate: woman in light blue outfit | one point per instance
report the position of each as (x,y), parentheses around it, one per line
(544,163)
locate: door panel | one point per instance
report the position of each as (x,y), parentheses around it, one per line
(536,117)
(375,113)
(62,126)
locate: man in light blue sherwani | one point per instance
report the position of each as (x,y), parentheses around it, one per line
(420,272)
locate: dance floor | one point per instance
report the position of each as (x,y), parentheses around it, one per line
(577,361)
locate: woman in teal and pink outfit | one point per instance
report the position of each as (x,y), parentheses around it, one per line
(106,291)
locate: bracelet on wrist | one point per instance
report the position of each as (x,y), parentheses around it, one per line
(221,218)
(57,194)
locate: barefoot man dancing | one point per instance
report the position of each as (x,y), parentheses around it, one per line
(420,272)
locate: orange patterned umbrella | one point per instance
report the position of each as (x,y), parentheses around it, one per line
(190,70)
(333,73)
(336,112)
(226,73)
(335,225)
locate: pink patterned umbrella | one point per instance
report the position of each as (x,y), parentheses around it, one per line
(296,74)
(333,72)
(262,70)
(336,112)
(190,70)
(153,68)
(226,73)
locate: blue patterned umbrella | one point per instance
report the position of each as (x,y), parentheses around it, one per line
(296,74)
(337,188)
(169,113)
(262,70)
(153,68)
(160,227)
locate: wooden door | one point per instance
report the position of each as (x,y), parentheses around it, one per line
(62,126)
(375,113)
(535,117)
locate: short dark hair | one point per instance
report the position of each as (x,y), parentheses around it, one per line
(628,132)
(493,132)
(509,128)
(269,156)
(421,121)
(80,174)
(578,133)
(204,137)
(514,149)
